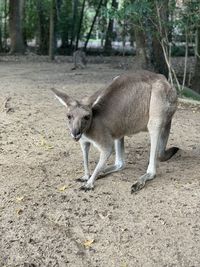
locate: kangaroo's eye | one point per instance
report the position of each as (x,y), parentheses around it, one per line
(87,117)
(69,117)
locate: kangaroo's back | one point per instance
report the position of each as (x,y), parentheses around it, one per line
(124,106)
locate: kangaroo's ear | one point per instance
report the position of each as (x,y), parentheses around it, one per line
(63,98)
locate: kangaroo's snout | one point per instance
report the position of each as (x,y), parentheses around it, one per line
(76,134)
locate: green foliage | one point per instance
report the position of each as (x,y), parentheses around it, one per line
(31,19)
(189,93)
(128,16)
(65,17)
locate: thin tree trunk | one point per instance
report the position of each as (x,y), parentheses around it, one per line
(5,25)
(141,47)
(109,32)
(52,30)
(65,11)
(65,39)
(80,24)
(93,22)
(43,29)
(73,29)
(15,23)
(1,45)
(138,29)
(158,57)
(196,79)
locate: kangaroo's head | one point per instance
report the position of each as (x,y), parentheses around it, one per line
(79,115)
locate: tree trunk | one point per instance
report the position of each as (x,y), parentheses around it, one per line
(92,26)
(196,79)
(138,33)
(65,39)
(80,24)
(1,45)
(4,29)
(15,25)
(43,29)
(73,28)
(52,30)
(158,58)
(141,54)
(109,32)
(65,12)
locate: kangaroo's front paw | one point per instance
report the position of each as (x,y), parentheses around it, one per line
(87,187)
(83,179)
(137,186)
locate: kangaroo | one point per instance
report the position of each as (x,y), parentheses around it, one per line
(79,59)
(130,104)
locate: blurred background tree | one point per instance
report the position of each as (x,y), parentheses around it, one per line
(151,31)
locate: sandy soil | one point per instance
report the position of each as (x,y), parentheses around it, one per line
(46,221)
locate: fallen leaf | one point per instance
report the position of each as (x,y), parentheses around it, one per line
(19,211)
(88,243)
(45,144)
(19,199)
(63,188)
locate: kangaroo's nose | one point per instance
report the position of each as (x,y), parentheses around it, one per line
(76,134)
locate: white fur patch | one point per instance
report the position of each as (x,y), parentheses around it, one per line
(116,77)
(86,139)
(97,100)
(61,101)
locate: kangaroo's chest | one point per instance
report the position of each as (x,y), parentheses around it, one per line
(85,138)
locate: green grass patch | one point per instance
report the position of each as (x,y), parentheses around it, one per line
(189,93)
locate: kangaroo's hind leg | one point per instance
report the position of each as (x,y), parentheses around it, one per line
(154,127)
(163,153)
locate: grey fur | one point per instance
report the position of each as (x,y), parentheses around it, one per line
(130,104)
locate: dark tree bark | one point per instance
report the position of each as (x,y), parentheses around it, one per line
(1,45)
(196,79)
(138,30)
(73,29)
(4,30)
(43,29)
(158,58)
(141,51)
(93,22)
(52,30)
(15,25)
(65,39)
(80,24)
(109,32)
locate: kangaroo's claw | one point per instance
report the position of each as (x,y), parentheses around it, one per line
(87,187)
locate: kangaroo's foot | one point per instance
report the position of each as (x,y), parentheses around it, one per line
(83,178)
(141,182)
(87,186)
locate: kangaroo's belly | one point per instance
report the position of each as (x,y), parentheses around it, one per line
(128,128)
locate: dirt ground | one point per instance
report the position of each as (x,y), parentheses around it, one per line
(46,221)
